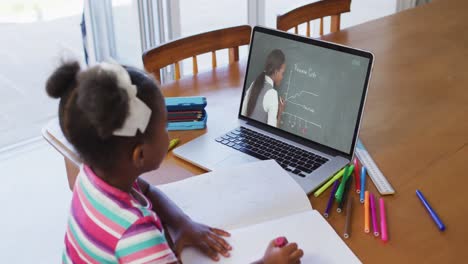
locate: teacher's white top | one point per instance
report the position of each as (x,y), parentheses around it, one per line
(270,102)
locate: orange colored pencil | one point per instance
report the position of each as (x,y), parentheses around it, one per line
(366,212)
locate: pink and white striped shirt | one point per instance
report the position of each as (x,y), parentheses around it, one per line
(107,225)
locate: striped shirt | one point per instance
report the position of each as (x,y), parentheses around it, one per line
(107,225)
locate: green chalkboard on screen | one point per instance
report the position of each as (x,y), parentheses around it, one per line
(322,88)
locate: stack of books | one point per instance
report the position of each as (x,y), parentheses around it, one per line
(186,113)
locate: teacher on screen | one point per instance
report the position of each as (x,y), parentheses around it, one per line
(261,101)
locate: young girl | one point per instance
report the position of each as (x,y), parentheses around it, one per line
(115,117)
(261,101)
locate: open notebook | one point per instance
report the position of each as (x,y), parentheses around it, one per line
(256,203)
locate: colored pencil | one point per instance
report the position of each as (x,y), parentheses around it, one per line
(173,143)
(330,200)
(431,211)
(366,212)
(375,227)
(346,193)
(357,178)
(383,221)
(363,183)
(347,231)
(341,187)
(329,182)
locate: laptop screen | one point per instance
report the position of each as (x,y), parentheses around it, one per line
(312,89)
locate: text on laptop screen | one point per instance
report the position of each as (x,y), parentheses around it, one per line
(307,90)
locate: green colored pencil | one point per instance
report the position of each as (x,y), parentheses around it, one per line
(347,174)
(329,182)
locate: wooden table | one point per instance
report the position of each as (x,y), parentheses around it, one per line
(415,126)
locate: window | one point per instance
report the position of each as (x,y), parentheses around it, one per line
(206,15)
(126,32)
(35,36)
(138,25)
(274,8)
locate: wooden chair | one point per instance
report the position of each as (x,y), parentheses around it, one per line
(307,13)
(175,51)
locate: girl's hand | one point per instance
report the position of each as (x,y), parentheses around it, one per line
(289,254)
(207,239)
(281,105)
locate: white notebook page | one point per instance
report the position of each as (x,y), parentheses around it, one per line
(313,234)
(237,197)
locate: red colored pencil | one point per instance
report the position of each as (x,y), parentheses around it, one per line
(357,177)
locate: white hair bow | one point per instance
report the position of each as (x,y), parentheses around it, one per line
(139,113)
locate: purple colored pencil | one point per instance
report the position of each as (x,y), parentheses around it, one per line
(332,196)
(375,227)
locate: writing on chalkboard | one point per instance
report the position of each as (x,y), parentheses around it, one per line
(309,72)
(301,104)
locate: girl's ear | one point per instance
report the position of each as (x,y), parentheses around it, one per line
(274,76)
(277,72)
(138,156)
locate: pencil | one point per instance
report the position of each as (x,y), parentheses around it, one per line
(329,183)
(347,231)
(345,194)
(383,221)
(357,178)
(330,200)
(375,228)
(341,187)
(366,212)
(363,183)
(172,144)
(431,211)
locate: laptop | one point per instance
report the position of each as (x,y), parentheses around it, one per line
(301,105)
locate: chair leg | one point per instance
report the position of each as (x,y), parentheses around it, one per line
(72,172)
(233,54)
(213,59)
(195,65)
(177,71)
(321,26)
(335,23)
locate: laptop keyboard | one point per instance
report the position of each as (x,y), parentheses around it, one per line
(291,158)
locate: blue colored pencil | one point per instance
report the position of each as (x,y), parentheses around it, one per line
(363,183)
(431,211)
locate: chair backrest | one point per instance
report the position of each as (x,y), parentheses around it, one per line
(175,51)
(317,10)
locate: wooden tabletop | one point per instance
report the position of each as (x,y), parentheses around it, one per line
(415,126)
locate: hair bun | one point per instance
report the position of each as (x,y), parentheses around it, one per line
(62,79)
(102,101)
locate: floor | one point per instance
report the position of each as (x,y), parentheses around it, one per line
(35,200)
